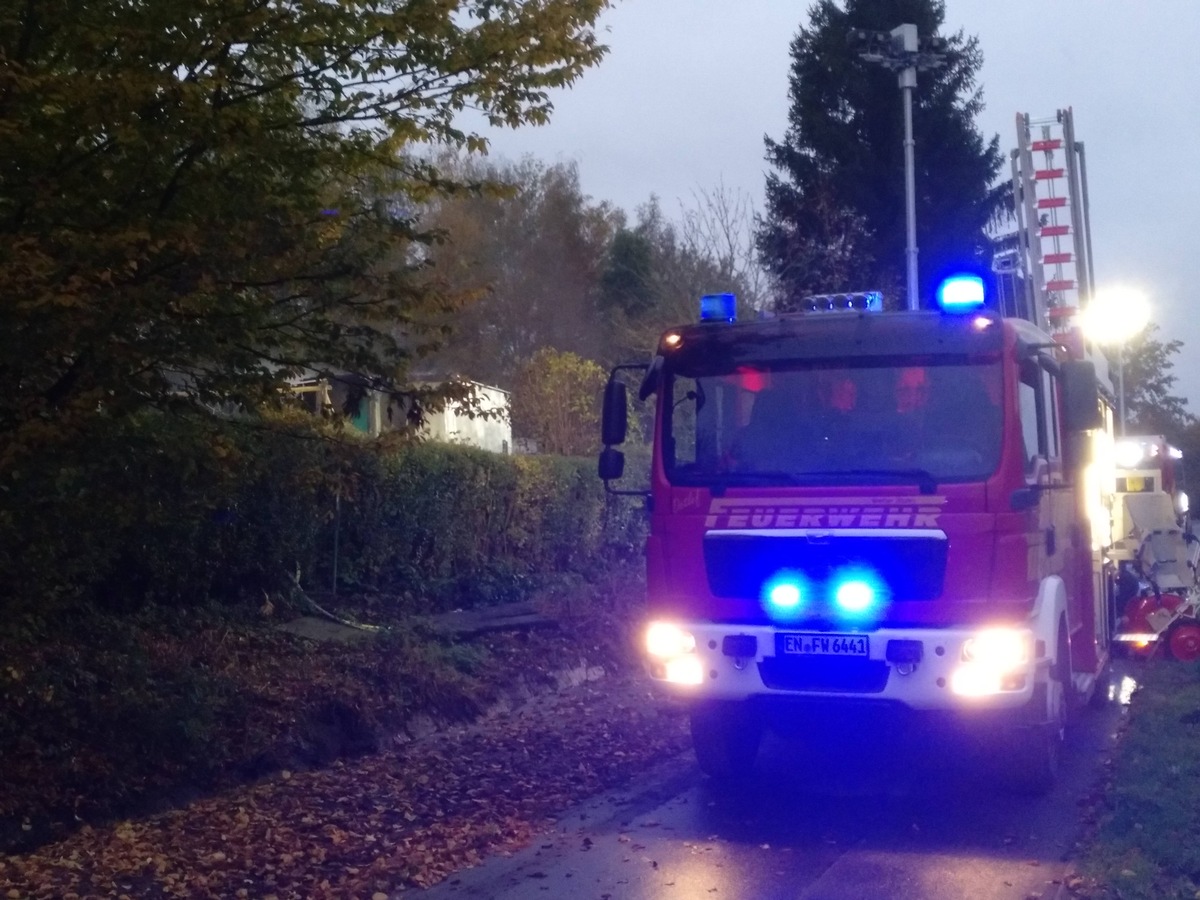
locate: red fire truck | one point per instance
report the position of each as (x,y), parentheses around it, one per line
(849,506)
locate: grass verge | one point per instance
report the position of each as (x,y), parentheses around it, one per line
(1143,843)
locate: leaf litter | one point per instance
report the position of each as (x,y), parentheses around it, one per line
(374,826)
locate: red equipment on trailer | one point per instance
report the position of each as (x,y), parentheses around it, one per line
(1157,596)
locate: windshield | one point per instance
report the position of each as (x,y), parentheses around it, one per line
(900,420)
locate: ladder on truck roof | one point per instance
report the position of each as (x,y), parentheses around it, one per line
(1054,247)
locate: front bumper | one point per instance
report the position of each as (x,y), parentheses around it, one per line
(888,673)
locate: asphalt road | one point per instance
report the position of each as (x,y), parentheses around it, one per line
(846,821)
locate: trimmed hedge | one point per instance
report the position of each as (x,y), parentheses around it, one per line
(470,527)
(171,512)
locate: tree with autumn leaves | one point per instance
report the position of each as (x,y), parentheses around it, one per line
(556,402)
(199,202)
(531,252)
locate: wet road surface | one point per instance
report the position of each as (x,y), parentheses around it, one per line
(852,819)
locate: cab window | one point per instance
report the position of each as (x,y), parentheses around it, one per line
(1036,395)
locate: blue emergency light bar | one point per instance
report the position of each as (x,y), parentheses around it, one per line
(961,293)
(718,308)
(869,301)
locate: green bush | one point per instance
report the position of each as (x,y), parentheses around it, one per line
(163,509)
(170,511)
(462,527)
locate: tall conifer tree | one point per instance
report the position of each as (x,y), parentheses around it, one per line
(835,202)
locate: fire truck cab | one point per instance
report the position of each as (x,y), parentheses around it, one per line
(902,510)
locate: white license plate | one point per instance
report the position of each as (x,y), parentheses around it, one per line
(824,645)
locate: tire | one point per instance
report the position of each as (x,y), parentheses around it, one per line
(725,738)
(1034,752)
(1099,698)
(1033,761)
(1183,640)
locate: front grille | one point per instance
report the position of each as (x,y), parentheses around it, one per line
(835,674)
(739,566)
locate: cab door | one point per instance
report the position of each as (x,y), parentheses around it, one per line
(1044,469)
(1066,545)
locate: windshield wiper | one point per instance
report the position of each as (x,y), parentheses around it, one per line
(924,479)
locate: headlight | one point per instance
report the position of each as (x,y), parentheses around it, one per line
(992,663)
(665,640)
(685,670)
(673,654)
(998,648)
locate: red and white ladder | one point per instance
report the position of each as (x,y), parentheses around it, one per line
(1050,201)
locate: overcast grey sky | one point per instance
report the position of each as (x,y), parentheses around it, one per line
(690,88)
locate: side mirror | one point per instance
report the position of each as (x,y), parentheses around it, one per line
(615,417)
(611,464)
(1025,498)
(1080,397)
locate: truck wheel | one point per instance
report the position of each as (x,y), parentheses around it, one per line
(1031,767)
(726,738)
(1033,752)
(1100,698)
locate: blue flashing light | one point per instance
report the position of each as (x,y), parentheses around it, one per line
(857,592)
(860,301)
(784,595)
(718,308)
(855,596)
(961,293)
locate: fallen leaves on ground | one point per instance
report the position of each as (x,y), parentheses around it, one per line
(105,717)
(406,817)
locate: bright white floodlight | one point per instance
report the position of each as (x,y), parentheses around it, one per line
(1115,315)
